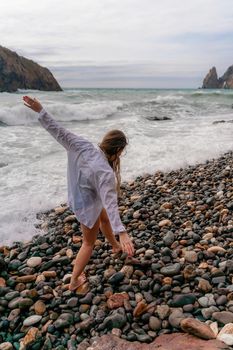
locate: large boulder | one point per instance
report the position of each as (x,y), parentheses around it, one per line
(17,72)
(175,341)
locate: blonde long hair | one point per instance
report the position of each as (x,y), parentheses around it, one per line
(114,142)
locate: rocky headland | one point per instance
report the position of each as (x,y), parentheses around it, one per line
(17,72)
(212,81)
(175,293)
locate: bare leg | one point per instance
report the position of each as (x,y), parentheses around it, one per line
(83,256)
(106,229)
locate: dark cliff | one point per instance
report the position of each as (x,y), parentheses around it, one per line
(17,72)
(212,81)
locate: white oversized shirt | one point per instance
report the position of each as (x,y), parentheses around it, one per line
(90,178)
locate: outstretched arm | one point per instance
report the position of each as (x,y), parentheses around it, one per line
(66,138)
(105,184)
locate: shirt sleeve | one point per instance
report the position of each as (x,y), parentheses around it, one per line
(105,183)
(67,139)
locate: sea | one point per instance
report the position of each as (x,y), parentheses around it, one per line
(167,129)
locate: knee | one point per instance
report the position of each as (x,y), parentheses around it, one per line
(88,244)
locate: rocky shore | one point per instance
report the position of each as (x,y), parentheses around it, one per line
(180,279)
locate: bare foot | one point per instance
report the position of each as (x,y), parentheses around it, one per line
(76,284)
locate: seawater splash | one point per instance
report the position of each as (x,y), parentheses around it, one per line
(33,164)
(64,112)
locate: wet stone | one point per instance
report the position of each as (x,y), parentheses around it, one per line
(223,317)
(116,278)
(182,299)
(171,270)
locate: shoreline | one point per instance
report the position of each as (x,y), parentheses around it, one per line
(182,226)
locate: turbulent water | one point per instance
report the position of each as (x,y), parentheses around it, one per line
(33,165)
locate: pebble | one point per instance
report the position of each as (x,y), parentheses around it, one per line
(165,222)
(171,270)
(39,307)
(223,317)
(163,311)
(116,278)
(34,261)
(6,346)
(155,323)
(115,320)
(204,285)
(64,320)
(31,320)
(183,299)
(197,328)
(226,334)
(169,238)
(190,256)
(175,318)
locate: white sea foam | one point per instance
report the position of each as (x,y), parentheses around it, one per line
(20,115)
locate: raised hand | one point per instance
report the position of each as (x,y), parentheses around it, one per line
(32,103)
(126,243)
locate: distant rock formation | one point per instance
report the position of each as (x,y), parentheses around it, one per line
(17,72)
(212,81)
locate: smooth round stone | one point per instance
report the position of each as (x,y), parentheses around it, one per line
(149,252)
(195,327)
(13,314)
(171,270)
(144,338)
(223,317)
(84,316)
(72,302)
(116,278)
(115,320)
(163,311)
(39,307)
(204,285)
(84,308)
(96,300)
(6,346)
(222,300)
(14,303)
(154,323)
(190,256)
(203,301)
(11,295)
(175,318)
(188,308)
(64,320)
(31,320)
(207,313)
(34,261)
(220,279)
(211,301)
(183,299)
(226,334)
(169,238)
(14,264)
(87,299)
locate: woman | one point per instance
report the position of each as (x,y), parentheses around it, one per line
(92,190)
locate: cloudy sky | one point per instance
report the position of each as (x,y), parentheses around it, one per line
(122,43)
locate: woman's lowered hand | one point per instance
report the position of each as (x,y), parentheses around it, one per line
(126,243)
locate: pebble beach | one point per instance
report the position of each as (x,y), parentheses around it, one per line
(179,280)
